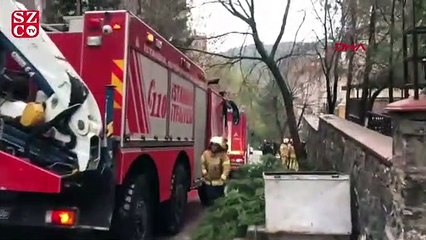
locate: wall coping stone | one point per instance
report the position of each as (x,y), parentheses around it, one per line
(376,143)
(312,120)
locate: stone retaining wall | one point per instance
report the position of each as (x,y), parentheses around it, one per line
(383,194)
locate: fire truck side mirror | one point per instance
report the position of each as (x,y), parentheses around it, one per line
(235,111)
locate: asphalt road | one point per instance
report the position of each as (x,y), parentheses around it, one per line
(255,157)
(194,214)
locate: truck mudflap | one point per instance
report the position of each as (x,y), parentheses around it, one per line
(20,175)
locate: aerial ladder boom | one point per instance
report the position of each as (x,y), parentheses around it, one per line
(70,112)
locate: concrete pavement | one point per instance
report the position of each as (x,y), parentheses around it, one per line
(255,157)
(194,215)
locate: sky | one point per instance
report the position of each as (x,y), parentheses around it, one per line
(213,19)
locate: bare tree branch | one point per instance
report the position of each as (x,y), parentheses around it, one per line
(239,11)
(292,55)
(221,55)
(229,6)
(294,41)
(383,15)
(221,35)
(317,14)
(242,9)
(282,30)
(330,23)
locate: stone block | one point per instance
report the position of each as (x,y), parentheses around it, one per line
(259,233)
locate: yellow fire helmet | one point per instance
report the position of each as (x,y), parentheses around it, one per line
(218,140)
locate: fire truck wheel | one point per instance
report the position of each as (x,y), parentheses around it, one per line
(136,211)
(176,207)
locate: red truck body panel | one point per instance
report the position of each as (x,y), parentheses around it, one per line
(17,174)
(216,124)
(237,141)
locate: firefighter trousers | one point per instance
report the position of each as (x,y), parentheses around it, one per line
(213,192)
(291,164)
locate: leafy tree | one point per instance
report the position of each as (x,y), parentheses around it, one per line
(245,12)
(170,18)
(56,9)
(245,91)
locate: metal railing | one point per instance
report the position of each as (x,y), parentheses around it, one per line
(380,123)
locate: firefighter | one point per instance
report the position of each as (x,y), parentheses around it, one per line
(267,147)
(216,167)
(293,164)
(284,152)
(226,144)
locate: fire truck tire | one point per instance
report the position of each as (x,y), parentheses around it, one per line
(175,208)
(135,213)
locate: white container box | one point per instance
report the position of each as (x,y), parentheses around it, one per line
(310,203)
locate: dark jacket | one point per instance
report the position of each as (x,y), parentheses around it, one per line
(267,148)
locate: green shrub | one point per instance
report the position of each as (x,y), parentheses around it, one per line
(244,204)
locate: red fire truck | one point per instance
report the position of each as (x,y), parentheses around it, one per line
(123,171)
(237,141)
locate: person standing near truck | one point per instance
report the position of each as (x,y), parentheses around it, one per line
(292,163)
(267,147)
(284,152)
(215,167)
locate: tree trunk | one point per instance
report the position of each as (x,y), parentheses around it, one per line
(301,115)
(368,64)
(78,7)
(353,20)
(291,117)
(277,118)
(392,30)
(349,83)
(336,81)
(285,92)
(336,62)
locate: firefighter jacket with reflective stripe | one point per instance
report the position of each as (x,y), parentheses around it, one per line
(284,151)
(292,161)
(292,151)
(215,167)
